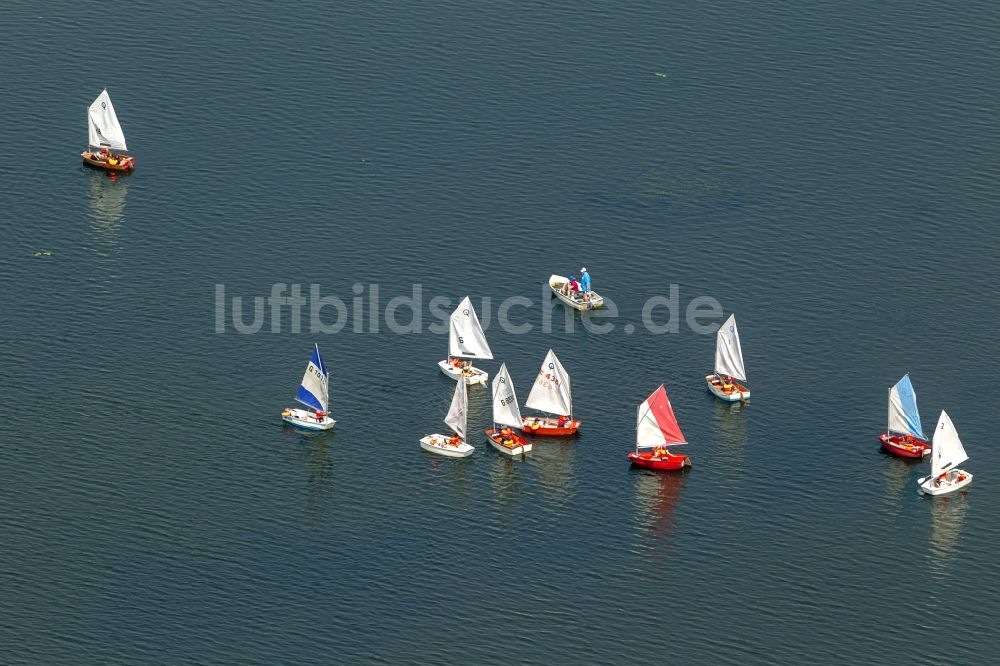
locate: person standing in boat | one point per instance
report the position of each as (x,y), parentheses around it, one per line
(585,284)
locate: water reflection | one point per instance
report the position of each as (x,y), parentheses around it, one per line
(451,476)
(729,422)
(898,477)
(505,476)
(554,461)
(319,464)
(658,494)
(947,516)
(106,208)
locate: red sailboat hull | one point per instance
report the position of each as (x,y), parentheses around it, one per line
(122,162)
(549,427)
(668,461)
(904,446)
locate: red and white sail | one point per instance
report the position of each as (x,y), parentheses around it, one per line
(656,424)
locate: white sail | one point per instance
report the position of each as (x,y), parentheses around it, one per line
(459,410)
(105,130)
(647,431)
(947,451)
(551,390)
(728,355)
(465,336)
(505,409)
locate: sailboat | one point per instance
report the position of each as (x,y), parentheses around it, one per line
(551,394)
(105,135)
(903,435)
(728,381)
(465,340)
(656,429)
(453,446)
(314,392)
(506,414)
(946,454)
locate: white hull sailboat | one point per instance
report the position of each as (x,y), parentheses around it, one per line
(105,134)
(466,340)
(314,392)
(441,445)
(551,395)
(506,417)
(574,300)
(456,370)
(452,446)
(728,382)
(947,453)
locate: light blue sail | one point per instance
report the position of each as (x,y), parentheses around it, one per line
(903,415)
(314,391)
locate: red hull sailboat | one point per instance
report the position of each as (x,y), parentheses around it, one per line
(657,429)
(904,436)
(105,134)
(551,394)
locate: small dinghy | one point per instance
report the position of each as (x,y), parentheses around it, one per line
(466,340)
(105,135)
(656,429)
(314,392)
(506,417)
(453,446)
(551,394)
(947,453)
(903,436)
(574,299)
(729,380)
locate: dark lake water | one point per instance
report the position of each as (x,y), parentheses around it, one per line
(829,174)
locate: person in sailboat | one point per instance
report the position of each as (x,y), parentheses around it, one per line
(562,420)
(585,284)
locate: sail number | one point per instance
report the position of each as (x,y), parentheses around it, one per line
(548,378)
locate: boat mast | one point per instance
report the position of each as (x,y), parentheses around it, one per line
(888,416)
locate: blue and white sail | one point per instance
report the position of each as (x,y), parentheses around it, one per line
(904,419)
(314,391)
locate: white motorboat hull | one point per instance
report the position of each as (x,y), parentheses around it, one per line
(718,392)
(303,418)
(439,444)
(476,375)
(950,484)
(596,300)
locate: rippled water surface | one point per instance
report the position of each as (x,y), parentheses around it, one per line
(829,174)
